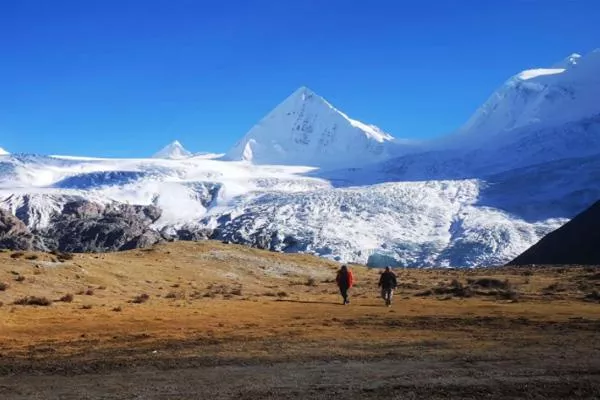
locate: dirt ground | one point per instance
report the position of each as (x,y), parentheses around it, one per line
(209,320)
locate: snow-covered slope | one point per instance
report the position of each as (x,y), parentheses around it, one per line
(535,99)
(526,162)
(173,151)
(537,116)
(3,152)
(306,130)
(284,208)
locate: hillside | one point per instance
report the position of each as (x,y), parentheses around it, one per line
(576,242)
(191,313)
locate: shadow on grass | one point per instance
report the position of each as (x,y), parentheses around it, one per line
(311,302)
(352,304)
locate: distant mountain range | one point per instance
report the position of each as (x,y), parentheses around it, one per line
(308,178)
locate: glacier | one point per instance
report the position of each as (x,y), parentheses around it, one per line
(308,178)
(415,223)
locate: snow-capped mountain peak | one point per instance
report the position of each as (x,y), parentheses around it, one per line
(528,161)
(173,151)
(536,98)
(305,129)
(372,131)
(3,152)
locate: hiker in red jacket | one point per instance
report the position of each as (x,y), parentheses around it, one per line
(344,280)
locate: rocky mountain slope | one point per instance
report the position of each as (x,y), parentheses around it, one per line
(575,243)
(83,226)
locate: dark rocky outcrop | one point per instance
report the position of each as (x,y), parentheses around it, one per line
(14,234)
(577,242)
(240,231)
(186,233)
(194,234)
(84,226)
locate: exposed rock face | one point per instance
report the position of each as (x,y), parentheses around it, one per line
(84,226)
(577,242)
(14,234)
(186,233)
(194,235)
(237,231)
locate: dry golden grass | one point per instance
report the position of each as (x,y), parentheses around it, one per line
(230,301)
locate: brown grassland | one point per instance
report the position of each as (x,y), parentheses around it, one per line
(199,320)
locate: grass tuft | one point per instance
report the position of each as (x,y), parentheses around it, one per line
(67,298)
(141,298)
(32,301)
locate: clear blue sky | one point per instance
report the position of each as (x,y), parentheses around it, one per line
(123,78)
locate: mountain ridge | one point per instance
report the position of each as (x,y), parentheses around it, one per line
(351,192)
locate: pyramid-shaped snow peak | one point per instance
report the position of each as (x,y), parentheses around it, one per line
(306,130)
(173,151)
(3,152)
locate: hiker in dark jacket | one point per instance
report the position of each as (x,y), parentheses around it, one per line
(387,283)
(344,280)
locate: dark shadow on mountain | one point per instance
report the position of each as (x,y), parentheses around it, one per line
(522,162)
(99,179)
(7,170)
(432,165)
(556,189)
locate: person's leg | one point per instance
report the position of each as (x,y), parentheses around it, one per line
(344,293)
(387,296)
(390,295)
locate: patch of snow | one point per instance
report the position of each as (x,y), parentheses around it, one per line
(534,73)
